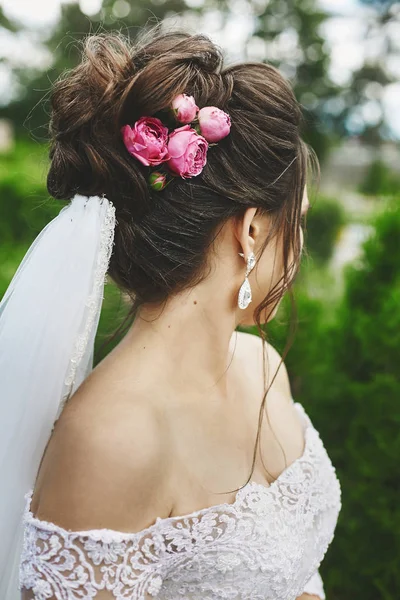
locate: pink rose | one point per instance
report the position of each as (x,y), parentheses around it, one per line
(215,124)
(185,108)
(147,140)
(188,152)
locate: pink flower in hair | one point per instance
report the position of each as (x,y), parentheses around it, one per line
(188,152)
(214,123)
(185,108)
(157,181)
(147,140)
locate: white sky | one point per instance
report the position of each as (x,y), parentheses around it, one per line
(344,33)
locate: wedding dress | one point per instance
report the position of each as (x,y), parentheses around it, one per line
(266,545)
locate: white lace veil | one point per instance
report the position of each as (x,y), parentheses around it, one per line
(48,321)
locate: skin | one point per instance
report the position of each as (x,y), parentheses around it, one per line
(171,413)
(192,316)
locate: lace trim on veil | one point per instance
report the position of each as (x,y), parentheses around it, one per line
(93,301)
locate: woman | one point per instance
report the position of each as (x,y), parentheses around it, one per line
(161,477)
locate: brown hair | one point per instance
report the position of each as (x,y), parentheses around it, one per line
(162,239)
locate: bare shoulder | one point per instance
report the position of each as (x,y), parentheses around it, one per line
(283,418)
(105,468)
(251,350)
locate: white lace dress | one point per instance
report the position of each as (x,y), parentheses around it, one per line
(266,545)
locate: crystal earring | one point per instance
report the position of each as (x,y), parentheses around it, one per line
(244,297)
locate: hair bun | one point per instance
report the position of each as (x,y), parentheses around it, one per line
(179,48)
(208,60)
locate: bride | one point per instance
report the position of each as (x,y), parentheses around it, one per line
(180,466)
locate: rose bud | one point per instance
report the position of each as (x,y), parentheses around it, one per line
(214,123)
(147,140)
(188,152)
(157,181)
(185,108)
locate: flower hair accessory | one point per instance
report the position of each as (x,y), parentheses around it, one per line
(180,152)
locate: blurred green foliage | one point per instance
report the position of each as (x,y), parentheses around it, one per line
(380,179)
(346,372)
(25,206)
(325,219)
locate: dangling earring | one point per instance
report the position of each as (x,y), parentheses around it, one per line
(244,297)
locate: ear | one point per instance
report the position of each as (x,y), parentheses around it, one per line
(247,229)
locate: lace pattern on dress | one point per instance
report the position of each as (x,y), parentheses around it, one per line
(267,544)
(315,586)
